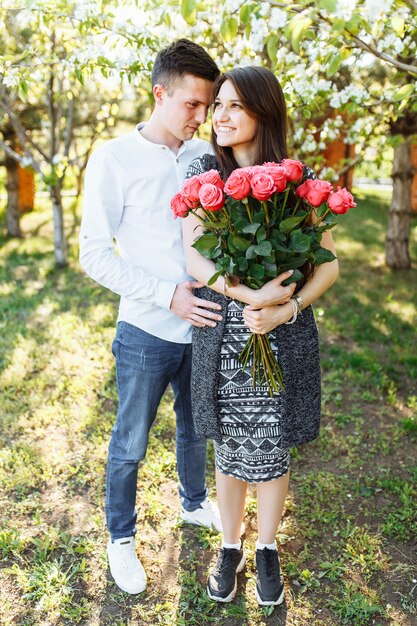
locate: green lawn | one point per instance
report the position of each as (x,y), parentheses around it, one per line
(348,533)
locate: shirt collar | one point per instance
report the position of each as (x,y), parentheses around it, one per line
(157,146)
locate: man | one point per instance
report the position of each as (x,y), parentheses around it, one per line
(128,186)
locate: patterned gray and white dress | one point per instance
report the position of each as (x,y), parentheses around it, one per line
(250,420)
(249,425)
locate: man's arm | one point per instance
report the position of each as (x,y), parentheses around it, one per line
(102,214)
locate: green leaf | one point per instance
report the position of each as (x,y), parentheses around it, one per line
(213,279)
(79,76)
(229,28)
(259,217)
(256,271)
(290,223)
(205,245)
(245,14)
(242,264)
(322,255)
(272,47)
(328,5)
(264,248)
(251,253)
(251,228)
(206,242)
(299,242)
(321,210)
(334,64)
(240,243)
(189,11)
(261,234)
(271,269)
(306,113)
(404,92)
(296,276)
(297,28)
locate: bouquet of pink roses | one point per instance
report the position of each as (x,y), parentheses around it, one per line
(257,225)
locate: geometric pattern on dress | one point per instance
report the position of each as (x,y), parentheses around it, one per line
(250,420)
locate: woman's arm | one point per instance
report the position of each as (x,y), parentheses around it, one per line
(202,269)
(266,319)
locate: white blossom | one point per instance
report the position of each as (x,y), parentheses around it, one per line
(230,6)
(264,9)
(390,41)
(372,10)
(278,18)
(345,8)
(11,78)
(259,33)
(350,93)
(309,145)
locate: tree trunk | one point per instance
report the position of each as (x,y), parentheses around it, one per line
(398,231)
(60,244)
(12,209)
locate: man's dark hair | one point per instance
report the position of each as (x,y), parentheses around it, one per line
(182,57)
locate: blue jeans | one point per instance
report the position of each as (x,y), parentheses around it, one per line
(145,365)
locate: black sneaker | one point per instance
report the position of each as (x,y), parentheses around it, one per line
(269,584)
(222,582)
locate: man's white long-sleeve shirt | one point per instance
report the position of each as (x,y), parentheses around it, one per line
(129,183)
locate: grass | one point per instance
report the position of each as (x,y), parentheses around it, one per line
(348,533)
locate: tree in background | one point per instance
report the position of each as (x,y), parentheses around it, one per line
(348,67)
(48,68)
(349,64)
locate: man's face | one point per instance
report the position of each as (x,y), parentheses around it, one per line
(184,107)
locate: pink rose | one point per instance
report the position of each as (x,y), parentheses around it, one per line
(251,170)
(211,197)
(293,169)
(341,201)
(238,185)
(279,176)
(213,178)
(263,185)
(181,205)
(191,187)
(315,192)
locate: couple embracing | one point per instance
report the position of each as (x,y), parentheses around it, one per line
(166,309)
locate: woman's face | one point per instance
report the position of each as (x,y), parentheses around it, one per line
(233,126)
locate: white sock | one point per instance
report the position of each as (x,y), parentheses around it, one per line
(230,546)
(261,546)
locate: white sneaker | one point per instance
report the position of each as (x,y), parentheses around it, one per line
(125,567)
(207,514)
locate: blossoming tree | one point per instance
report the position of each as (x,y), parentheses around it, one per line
(348,67)
(53,65)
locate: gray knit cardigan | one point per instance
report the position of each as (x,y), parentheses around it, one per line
(298,357)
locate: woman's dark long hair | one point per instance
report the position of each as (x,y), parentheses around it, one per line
(262,97)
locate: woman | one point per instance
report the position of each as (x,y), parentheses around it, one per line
(253,432)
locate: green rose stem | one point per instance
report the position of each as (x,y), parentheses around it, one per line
(272,371)
(227,216)
(284,204)
(248,210)
(266,213)
(264,365)
(296,207)
(322,218)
